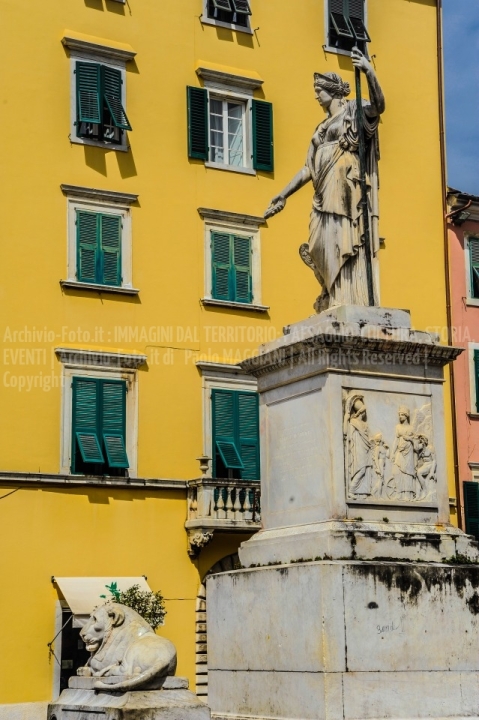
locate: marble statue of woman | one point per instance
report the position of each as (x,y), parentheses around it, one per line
(404,458)
(359,462)
(336,249)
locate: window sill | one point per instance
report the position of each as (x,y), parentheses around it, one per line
(473,302)
(336,51)
(75,285)
(473,415)
(231,168)
(96,143)
(235,305)
(229,26)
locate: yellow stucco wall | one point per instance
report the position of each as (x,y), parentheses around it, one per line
(60,531)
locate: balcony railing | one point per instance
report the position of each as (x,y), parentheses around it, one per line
(223,505)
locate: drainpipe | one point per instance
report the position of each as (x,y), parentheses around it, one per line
(442,142)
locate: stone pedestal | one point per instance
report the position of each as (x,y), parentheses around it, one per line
(82,702)
(355,604)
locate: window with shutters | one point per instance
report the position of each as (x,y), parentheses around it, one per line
(98,427)
(234,14)
(471,508)
(99,244)
(346,25)
(472,261)
(235,434)
(99,107)
(230,131)
(98,247)
(231,263)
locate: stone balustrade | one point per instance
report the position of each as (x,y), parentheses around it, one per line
(217,504)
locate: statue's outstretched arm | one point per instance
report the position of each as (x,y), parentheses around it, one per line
(279,201)
(377,102)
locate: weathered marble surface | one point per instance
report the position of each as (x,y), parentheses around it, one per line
(349,640)
(77,704)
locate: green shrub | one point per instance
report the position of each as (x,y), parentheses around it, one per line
(150,605)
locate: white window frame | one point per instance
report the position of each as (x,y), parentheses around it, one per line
(219,376)
(99,201)
(225,94)
(229,26)
(244,124)
(327,47)
(81,363)
(94,52)
(467,258)
(472,378)
(242,226)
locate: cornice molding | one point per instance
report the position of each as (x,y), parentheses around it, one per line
(97,47)
(224,216)
(100,358)
(107,196)
(221,369)
(228,78)
(26,479)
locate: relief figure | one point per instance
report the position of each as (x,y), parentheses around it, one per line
(380,454)
(404,458)
(358,446)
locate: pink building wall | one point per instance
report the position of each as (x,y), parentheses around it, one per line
(465,334)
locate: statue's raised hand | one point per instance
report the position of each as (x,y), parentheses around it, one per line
(359,61)
(276,205)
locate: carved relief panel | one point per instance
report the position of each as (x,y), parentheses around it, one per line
(388,447)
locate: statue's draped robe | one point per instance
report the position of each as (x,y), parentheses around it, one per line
(336,231)
(360,463)
(404,463)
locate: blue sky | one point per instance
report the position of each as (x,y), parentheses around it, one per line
(461,60)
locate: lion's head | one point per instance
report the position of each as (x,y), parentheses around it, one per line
(103,621)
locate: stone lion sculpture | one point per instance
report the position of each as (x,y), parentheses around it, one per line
(123,644)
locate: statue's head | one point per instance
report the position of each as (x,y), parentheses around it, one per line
(359,409)
(329,86)
(404,414)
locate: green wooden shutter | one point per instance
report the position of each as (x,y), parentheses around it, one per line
(110,243)
(113,418)
(474,265)
(248,432)
(242,269)
(356,18)
(241,7)
(221,266)
(263,158)
(88,92)
(87,246)
(197,123)
(224,444)
(112,83)
(471,508)
(338,13)
(85,405)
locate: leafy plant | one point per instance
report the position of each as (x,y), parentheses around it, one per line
(150,605)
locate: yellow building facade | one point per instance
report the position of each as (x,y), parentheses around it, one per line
(110,283)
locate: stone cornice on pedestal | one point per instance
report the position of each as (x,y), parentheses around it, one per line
(341,345)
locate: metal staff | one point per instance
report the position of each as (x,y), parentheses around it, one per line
(364,189)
